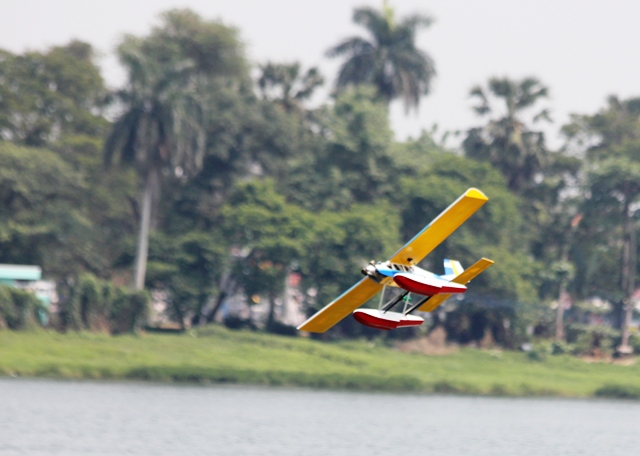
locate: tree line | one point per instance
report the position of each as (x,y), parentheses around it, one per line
(201,178)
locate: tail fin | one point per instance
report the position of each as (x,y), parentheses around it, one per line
(452,268)
(464,278)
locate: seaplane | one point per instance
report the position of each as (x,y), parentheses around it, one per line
(402,272)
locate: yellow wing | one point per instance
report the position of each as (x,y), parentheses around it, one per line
(342,306)
(467,276)
(440,228)
(418,248)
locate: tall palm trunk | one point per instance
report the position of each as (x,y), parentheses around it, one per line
(628,276)
(271,315)
(564,280)
(151,185)
(560,312)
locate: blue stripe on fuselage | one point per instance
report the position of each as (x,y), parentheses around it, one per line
(390,272)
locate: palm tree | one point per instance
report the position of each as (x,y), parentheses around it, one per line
(506,141)
(591,136)
(286,85)
(616,180)
(388,59)
(162,127)
(610,141)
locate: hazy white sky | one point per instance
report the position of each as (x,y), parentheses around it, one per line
(583,50)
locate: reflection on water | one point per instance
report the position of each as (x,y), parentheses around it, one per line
(45,417)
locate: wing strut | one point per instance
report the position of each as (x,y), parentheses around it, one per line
(394,301)
(416,306)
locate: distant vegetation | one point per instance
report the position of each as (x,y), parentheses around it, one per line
(208,175)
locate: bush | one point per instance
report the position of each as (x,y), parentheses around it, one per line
(89,296)
(129,310)
(234,322)
(69,311)
(634,341)
(18,308)
(592,340)
(7,312)
(561,348)
(95,304)
(619,391)
(275,327)
(537,354)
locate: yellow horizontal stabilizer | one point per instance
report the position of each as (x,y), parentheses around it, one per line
(467,276)
(440,228)
(342,306)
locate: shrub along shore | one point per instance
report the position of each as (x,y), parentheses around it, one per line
(219,355)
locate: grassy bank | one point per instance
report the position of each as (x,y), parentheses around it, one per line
(217,354)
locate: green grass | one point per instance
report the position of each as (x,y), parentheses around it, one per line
(216,354)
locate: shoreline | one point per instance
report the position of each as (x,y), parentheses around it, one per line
(216,355)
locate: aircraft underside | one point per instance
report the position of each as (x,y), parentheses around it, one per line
(411,279)
(384,318)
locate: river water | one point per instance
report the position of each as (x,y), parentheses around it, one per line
(48,417)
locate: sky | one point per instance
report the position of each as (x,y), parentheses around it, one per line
(583,50)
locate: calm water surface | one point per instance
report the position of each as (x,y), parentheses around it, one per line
(45,417)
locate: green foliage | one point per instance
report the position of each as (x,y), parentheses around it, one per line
(351,162)
(107,200)
(129,310)
(634,341)
(389,58)
(18,308)
(188,267)
(561,348)
(245,136)
(471,323)
(244,183)
(617,391)
(46,96)
(342,243)
(94,299)
(163,126)
(611,126)
(506,141)
(415,157)
(217,354)
(608,140)
(539,352)
(98,305)
(285,85)
(165,103)
(495,231)
(592,340)
(6,305)
(274,233)
(42,216)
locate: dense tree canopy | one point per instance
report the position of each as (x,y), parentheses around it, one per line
(163,126)
(243,181)
(507,142)
(44,96)
(42,219)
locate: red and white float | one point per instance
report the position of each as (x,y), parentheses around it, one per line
(427,285)
(380,319)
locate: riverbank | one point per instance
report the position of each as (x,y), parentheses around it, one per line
(219,355)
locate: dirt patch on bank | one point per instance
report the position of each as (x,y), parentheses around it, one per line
(433,344)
